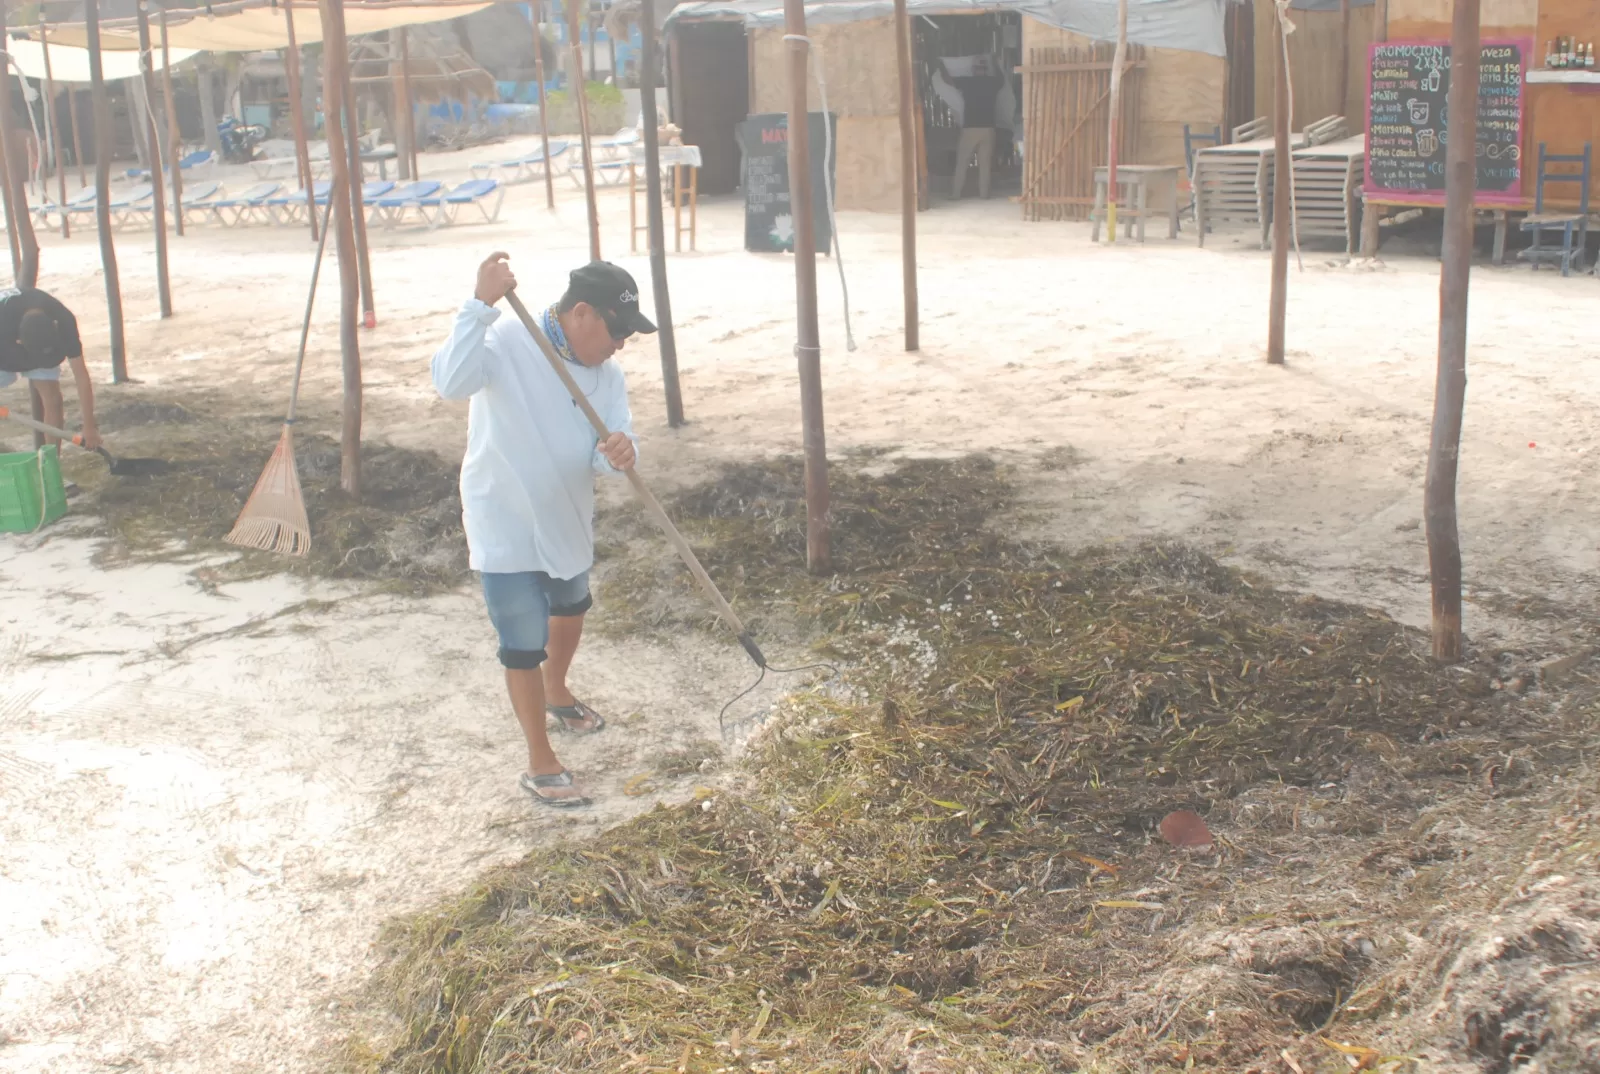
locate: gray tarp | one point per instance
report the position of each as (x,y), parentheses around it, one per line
(1195,25)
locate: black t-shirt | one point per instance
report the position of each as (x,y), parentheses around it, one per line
(979,96)
(13,304)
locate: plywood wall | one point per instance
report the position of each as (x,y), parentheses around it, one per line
(1175,87)
(1431,18)
(858,62)
(1315,49)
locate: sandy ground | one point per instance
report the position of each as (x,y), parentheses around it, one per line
(212,798)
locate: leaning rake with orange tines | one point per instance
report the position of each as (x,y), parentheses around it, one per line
(274,517)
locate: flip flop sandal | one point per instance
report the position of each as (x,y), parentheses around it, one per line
(577,713)
(534,785)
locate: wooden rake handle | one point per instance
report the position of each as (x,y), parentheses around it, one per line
(651,505)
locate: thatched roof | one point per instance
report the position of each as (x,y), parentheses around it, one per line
(437,65)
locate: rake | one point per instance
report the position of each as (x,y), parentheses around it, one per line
(274,517)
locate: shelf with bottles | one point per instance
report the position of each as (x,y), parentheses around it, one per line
(1567,55)
(1572,77)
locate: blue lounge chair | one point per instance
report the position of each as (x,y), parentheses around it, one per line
(606,173)
(74,204)
(198,200)
(522,169)
(474,192)
(391,209)
(290,208)
(252,203)
(129,205)
(200,158)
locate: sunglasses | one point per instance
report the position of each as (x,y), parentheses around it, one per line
(614,325)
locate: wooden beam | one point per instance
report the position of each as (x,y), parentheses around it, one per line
(1282,176)
(908,176)
(1450,391)
(581,97)
(174,134)
(1369,215)
(53,134)
(808,346)
(297,120)
(146,88)
(19,224)
(650,130)
(544,116)
(1114,134)
(102,195)
(405,121)
(334,58)
(358,209)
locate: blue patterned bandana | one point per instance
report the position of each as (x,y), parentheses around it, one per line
(551,323)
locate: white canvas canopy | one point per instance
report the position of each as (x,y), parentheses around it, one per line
(71,64)
(260,26)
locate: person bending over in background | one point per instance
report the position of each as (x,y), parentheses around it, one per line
(37,334)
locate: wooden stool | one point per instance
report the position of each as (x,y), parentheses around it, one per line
(683,193)
(1140,177)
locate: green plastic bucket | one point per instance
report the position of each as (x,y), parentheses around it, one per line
(31,492)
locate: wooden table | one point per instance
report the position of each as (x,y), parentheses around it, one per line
(1497,213)
(683,160)
(1140,177)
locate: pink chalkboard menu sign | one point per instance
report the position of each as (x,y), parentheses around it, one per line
(1408,115)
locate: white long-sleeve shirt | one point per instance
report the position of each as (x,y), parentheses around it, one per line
(527,482)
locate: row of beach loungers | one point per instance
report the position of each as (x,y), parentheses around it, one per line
(610,162)
(388,203)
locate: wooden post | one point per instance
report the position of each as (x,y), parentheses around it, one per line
(1344,57)
(147,78)
(658,242)
(334,58)
(53,134)
(582,97)
(1449,399)
(1114,134)
(358,209)
(19,222)
(908,176)
(1369,213)
(808,346)
(536,9)
(297,119)
(405,125)
(102,192)
(174,134)
(77,140)
(1282,175)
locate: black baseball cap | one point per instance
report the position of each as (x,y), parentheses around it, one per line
(607,287)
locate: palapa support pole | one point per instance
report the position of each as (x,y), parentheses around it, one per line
(1449,400)
(536,9)
(158,205)
(808,345)
(358,209)
(1344,57)
(580,92)
(19,223)
(1114,131)
(405,129)
(908,175)
(334,58)
(658,239)
(102,193)
(174,134)
(297,119)
(1282,175)
(77,140)
(53,134)
(1369,213)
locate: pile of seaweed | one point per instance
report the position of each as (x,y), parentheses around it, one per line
(949,865)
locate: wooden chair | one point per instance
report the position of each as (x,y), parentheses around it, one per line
(1572,226)
(1192,139)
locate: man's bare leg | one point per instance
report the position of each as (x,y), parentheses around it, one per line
(47,393)
(566,631)
(526,687)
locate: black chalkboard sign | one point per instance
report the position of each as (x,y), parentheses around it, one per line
(768,223)
(1408,116)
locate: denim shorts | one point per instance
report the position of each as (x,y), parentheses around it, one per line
(8,378)
(520,607)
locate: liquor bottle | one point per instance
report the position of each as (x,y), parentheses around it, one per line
(1588,56)
(1550,55)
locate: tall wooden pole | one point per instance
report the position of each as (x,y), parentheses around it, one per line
(908,175)
(53,134)
(334,58)
(1114,132)
(1449,399)
(102,192)
(147,78)
(358,209)
(648,62)
(1369,215)
(77,140)
(174,134)
(581,96)
(297,119)
(808,346)
(405,124)
(19,223)
(1282,175)
(1344,57)
(536,9)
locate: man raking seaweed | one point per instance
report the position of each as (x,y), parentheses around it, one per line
(538,432)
